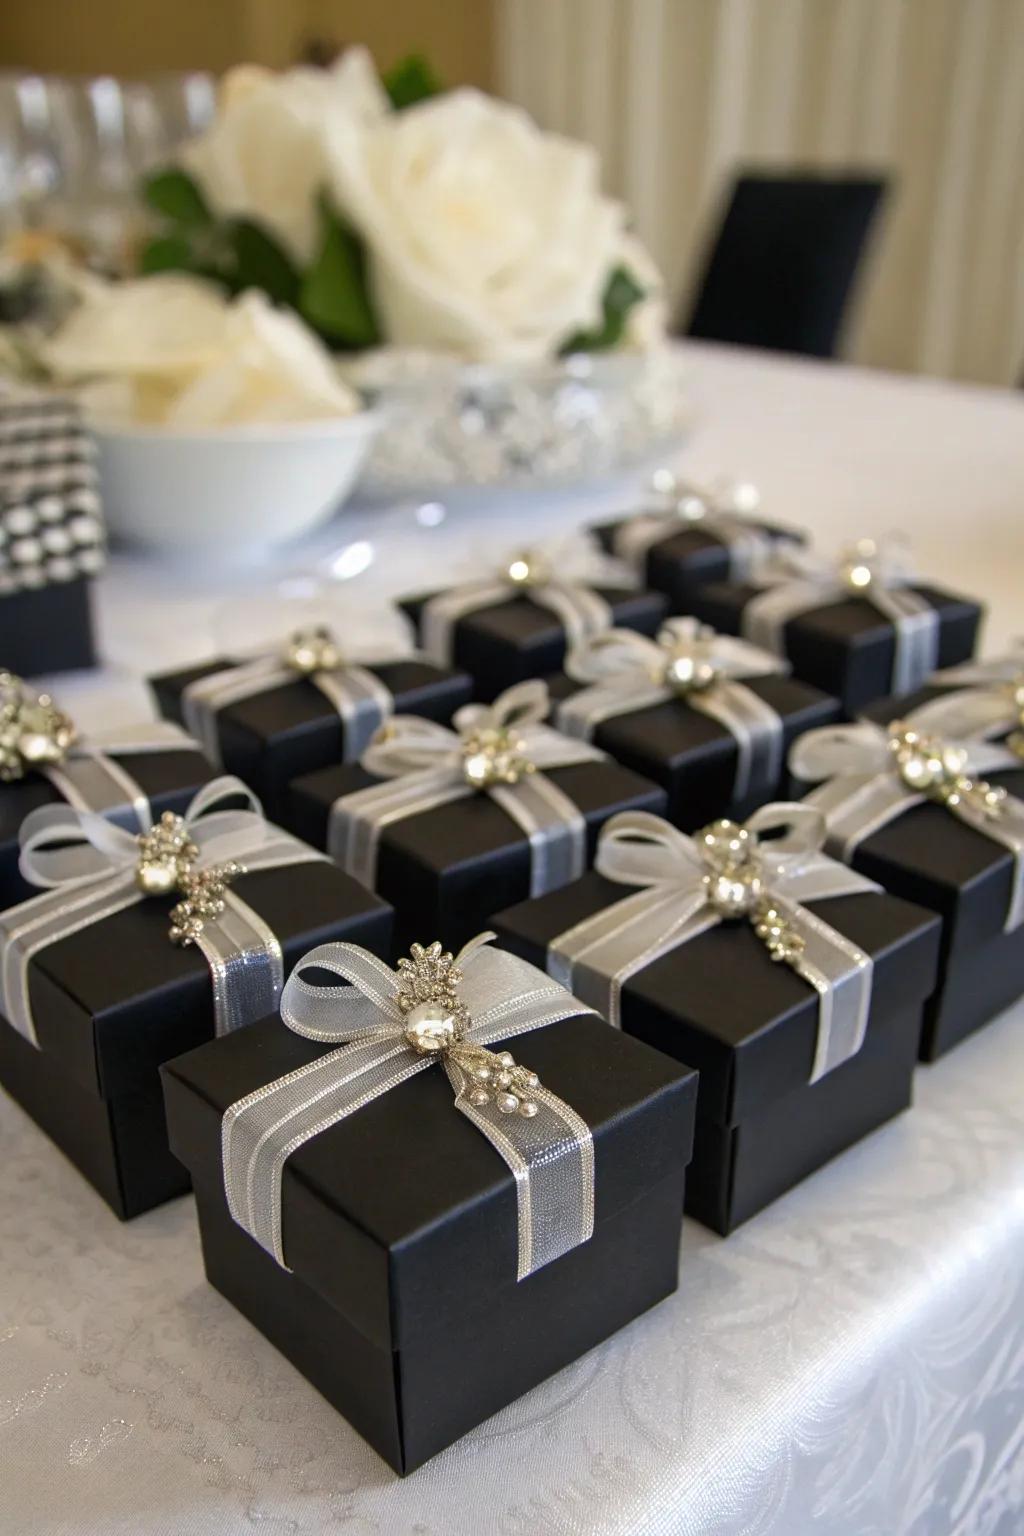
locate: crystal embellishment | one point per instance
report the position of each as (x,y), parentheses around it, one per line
(936,769)
(312,650)
(735,888)
(167,857)
(494,755)
(34,733)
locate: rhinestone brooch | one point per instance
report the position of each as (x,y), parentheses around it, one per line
(34,733)
(735,889)
(167,856)
(494,755)
(312,650)
(936,769)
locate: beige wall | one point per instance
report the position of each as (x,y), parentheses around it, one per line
(137,36)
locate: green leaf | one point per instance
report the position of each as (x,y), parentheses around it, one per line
(334,297)
(621,292)
(174,194)
(254,259)
(166,253)
(411,80)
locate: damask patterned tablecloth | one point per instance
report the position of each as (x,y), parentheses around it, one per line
(850,1362)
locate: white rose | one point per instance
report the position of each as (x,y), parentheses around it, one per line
(485,235)
(169,325)
(264,155)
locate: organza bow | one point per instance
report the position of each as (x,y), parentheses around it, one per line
(984,698)
(723,512)
(389,1026)
(686,885)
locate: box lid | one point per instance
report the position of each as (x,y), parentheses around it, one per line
(719,1002)
(403,1214)
(115,999)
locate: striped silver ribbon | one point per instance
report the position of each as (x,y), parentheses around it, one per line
(696,510)
(89,779)
(579,609)
(864,790)
(87,868)
(551,1155)
(425,766)
(357,694)
(625,672)
(797,580)
(671,906)
(984,699)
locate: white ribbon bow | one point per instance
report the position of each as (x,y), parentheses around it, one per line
(688,885)
(797,579)
(626,672)
(873,775)
(500,749)
(391,1025)
(985,698)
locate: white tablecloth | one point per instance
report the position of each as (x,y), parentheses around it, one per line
(850,1362)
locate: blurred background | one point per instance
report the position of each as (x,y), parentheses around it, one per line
(922,98)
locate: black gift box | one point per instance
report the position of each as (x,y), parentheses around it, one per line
(846,647)
(168,779)
(749,1026)
(519,639)
(48,629)
(271,737)
(694,757)
(400,1228)
(930,856)
(689,557)
(117,998)
(446,870)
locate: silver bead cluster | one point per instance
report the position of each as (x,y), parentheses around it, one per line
(689,665)
(499,1080)
(857,566)
(937,769)
(167,857)
(312,650)
(34,733)
(202,892)
(494,755)
(735,888)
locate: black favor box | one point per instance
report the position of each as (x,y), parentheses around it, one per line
(48,629)
(846,647)
(749,1027)
(930,856)
(402,1307)
(447,870)
(694,757)
(271,737)
(516,640)
(117,998)
(689,557)
(168,779)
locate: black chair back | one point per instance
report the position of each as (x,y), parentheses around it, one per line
(780,272)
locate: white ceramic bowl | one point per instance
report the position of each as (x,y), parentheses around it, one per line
(233,490)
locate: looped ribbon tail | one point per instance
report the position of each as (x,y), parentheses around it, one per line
(623,672)
(381,1042)
(868,777)
(796,580)
(500,750)
(683,886)
(90,869)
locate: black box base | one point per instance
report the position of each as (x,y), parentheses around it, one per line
(411,1404)
(48,629)
(119,1145)
(973,989)
(739,1170)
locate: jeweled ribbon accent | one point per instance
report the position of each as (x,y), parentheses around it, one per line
(500,750)
(36,736)
(625,672)
(873,775)
(725,873)
(797,580)
(984,699)
(360,698)
(580,610)
(90,869)
(688,507)
(391,1025)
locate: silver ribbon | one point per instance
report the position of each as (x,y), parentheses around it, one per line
(873,775)
(429,765)
(580,610)
(550,1154)
(691,508)
(675,901)
(355,693)
(797,580)
(90,780)
(626,672)
(88,868)
(984,699)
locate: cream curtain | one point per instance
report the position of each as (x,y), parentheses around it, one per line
(677,94)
